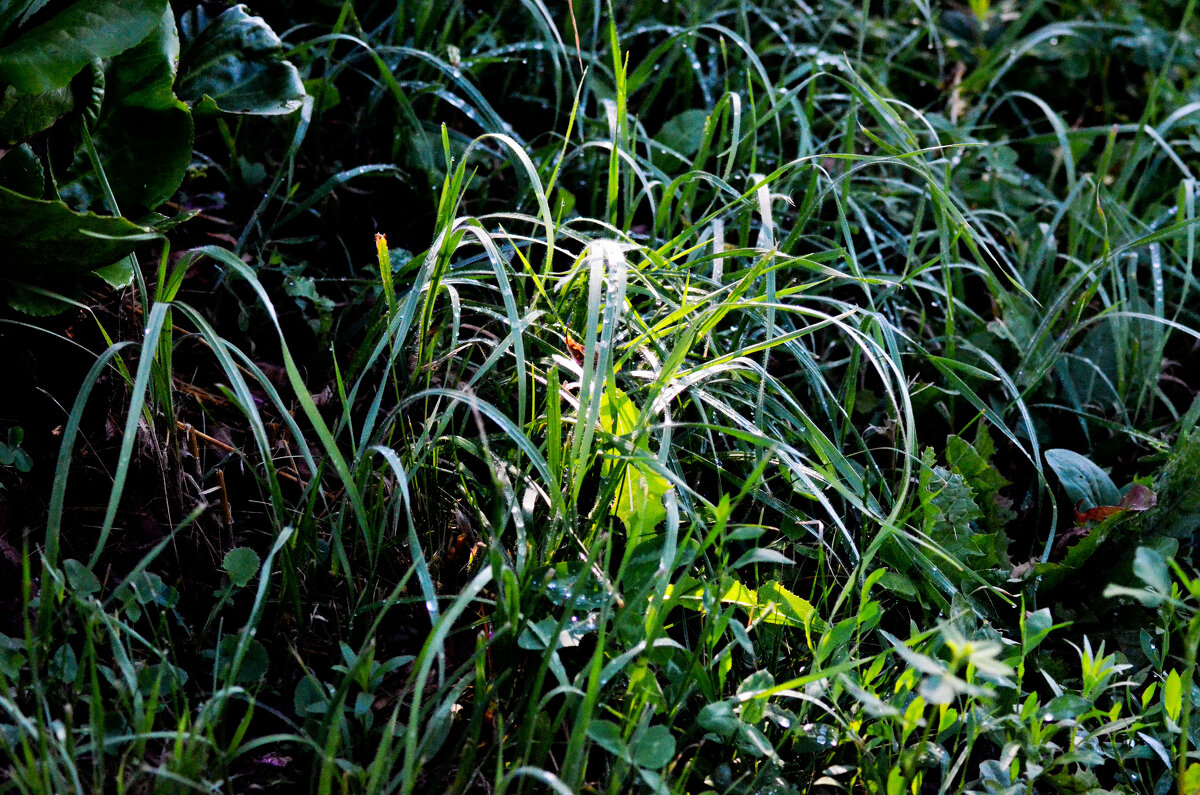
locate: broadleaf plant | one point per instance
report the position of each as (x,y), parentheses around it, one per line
(104,72)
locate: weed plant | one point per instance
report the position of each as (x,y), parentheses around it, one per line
(737,397)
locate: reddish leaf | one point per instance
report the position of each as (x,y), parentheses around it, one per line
(1138,498)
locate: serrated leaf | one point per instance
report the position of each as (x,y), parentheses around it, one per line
(233,64)
(972,461)
(241,564)
(950,513)
(48,55)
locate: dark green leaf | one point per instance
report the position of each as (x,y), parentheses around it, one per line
(21,172)
(718,718)
(45,243)
(654,748)
(241,564)
(80,578)
(1082,480)
(164,677)
(12,657)
(147,588)
(233,64)
(143,134)
(685,132)
(607,735)
(47,56)
(24,115)
(1068,705)
(1037,627)
(63,665)
(310,698)
(254,664)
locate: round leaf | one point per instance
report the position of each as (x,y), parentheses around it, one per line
(241,564)
(654,749)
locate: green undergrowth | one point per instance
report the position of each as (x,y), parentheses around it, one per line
(748,398)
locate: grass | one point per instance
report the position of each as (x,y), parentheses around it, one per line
(698,425)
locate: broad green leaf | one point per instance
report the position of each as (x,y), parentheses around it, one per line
(233,64)
(719,718)
(241,564)
(119,274)
(23,116)
(1173,695)
(64,665)
(654,748)
(1082,480)
(254,664)
(764,555)
(48,55)
(1191,780)
(44,240)
(684,133)
(80,578)
(772,604)
(787,607)
(148,588)
(1148,598)
(1068,705)
(12,657)
(46,244)
(310,698)
(607,735)
(1151,568)
(144,132)
(1037,626)
(163,676)
(638,501)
